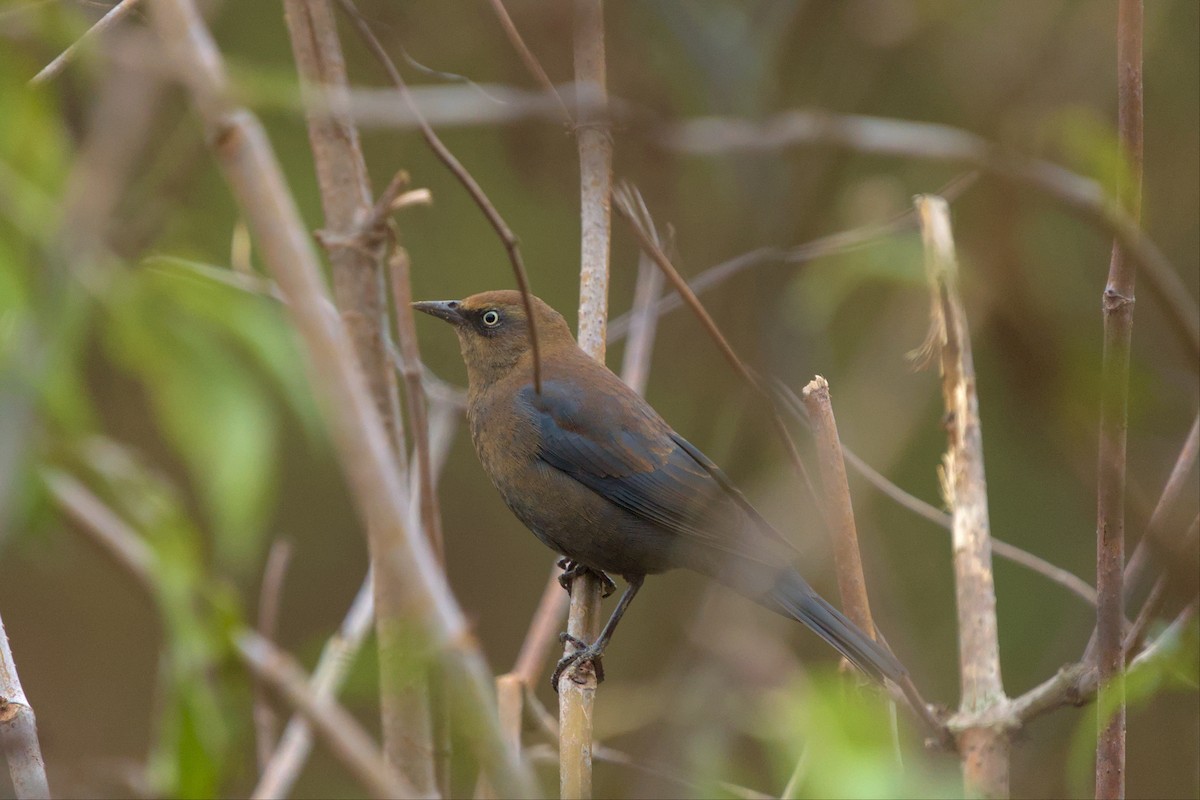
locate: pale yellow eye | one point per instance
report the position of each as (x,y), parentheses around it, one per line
(491,318)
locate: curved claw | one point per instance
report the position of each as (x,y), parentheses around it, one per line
(584,653)
(573,569)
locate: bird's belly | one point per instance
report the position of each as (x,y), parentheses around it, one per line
(573,520)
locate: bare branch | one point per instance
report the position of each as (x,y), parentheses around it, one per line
(1082,196)
(18,731)
(357,254)
(249,165)
(291,752)
(110,18)
(511,244)
(984,750)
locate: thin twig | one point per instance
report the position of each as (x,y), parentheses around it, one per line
(530,60)
(290,754)
(627,205)
(511,243)
(1173,491)
(270,596)
(984,750)
(882,136)
(1118,301)
(110,18)
(250,167)
(1009,552)
(643,321)
(577,686)
(18,731)
(852,584)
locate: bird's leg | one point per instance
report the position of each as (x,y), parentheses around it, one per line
(573,569)
(593,652)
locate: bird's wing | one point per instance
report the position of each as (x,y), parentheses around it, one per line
(610,440)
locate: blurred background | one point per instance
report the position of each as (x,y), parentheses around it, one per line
(145,375)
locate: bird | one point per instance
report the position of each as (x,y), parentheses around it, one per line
(600,478)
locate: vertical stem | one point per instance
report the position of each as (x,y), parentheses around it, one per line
(985,749)
(577,687)
(357,259)
(1118,302)
(18,731)
(839,511)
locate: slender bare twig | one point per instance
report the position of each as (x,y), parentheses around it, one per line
(110,18)
(333,723)
(1173,491)
(627,206)
(511,244)
(358,256)
(1082,196)
(270,596)
(249,165)
(1009,552)
(1114,399)
(18,731)
(284,765)
(530,60)
(840,242)
(643,320)
(984,750)
(577,686)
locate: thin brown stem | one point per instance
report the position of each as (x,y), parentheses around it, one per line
(627,205)
(257,182)
(18,731)
(984,750)
(1118,301)
(270,597)
(530,60)
(511,243)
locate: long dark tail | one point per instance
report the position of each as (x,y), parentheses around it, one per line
(792,597)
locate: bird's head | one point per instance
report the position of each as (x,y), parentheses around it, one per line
(493,331)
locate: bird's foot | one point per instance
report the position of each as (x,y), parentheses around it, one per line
(584,652)
(573,569)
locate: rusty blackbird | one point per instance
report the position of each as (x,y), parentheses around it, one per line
(601,478)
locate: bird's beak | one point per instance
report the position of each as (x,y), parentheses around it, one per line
(442,309)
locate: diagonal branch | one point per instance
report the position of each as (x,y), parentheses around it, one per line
(254,175)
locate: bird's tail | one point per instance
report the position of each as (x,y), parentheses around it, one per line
(791,596)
